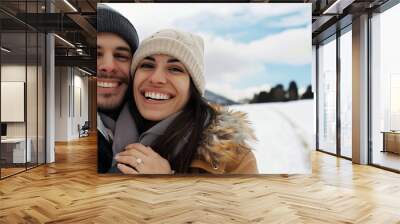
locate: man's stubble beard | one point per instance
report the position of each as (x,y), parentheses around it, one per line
(111,102)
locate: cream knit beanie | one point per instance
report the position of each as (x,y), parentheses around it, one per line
(186,47)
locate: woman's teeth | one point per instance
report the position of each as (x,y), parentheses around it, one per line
(156,96)
(107,84)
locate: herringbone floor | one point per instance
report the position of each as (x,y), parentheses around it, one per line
(70,191)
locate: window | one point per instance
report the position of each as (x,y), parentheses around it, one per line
(385,89)
(346,94)
(327,96)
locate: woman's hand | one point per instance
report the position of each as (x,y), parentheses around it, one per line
(143,159)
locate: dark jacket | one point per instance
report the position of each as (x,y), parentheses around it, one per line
(104,154)
(114,137)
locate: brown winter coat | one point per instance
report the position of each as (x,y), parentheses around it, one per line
(224,148)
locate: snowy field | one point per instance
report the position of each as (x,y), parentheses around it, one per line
(285,133)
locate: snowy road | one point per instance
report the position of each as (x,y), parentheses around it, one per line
(285,135)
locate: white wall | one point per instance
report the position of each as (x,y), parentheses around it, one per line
(61,103)
(71,93)
(14,73)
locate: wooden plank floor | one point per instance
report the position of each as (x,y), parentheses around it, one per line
(10,171)
(70,191)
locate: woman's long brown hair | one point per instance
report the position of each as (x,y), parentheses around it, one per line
(190,124)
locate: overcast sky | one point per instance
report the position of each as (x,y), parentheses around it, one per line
(248,46)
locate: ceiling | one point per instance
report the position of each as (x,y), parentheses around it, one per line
(329,16)
(75,22)
(76,25)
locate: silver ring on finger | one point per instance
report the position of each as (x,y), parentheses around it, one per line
(139,161)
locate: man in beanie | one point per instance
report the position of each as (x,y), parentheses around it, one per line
(117,41)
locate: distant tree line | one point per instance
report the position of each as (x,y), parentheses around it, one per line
(279,94)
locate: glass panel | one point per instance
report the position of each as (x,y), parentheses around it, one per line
(386,89)
(394,101)
(346,94)
(327,97)
(13,86)
(31,87)
(23,82)
(313,84)
(41,99)
(31,98)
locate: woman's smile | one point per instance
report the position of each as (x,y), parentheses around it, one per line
(156,97)
(154,94)
(161,87)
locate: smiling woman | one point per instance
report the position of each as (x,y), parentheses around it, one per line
(177,130)
(161,86)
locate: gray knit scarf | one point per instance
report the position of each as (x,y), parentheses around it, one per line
(124,131)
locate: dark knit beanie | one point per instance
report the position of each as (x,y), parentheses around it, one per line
(111,21)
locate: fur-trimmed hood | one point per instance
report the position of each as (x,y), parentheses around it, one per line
(226,139)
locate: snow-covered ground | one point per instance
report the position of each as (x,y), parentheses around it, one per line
(285,135)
